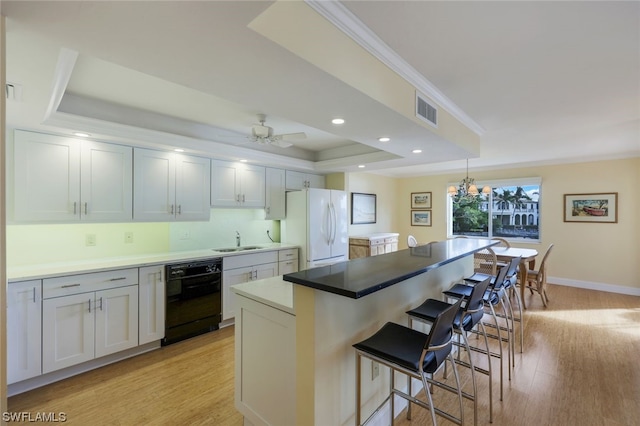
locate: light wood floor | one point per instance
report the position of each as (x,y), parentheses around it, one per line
(580,366)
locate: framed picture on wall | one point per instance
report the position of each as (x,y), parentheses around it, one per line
(592,208)
(363,208)
(421,200)
(420,217)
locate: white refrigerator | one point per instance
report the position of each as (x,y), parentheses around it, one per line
(316,220)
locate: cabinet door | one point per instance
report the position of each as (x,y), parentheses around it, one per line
(224,175)
(67,331)
(151,304)
(116,313)
(252,184)
(47,178)
(24,330)
(315,181)
(193,188)
(154,187)
(295,181)
(229,278)
(274,194)
(267,270)
(106,182)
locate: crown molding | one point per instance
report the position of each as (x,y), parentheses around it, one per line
(353,27)
(62,74)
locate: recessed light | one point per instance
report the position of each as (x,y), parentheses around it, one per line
(81,134)
(243,161)
(338,121)
(361,166)
(384,139)
(179,150)
(417,151)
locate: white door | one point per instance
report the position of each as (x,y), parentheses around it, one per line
(319,224)
(274,194)
(67,331)
(24,330)
(154,187)
(224,182)
(340,237)
(252,184)
(151,304)
(116,312)
(106,182)
(266,270)
(47,177)
(229,278)
(193,188)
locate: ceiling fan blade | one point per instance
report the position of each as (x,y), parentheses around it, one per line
(293,136)
(281,143)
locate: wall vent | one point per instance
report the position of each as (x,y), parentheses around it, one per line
(426,111)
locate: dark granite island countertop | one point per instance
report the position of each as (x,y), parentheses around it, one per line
(360,277)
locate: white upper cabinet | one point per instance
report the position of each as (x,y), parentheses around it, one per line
(275,200)
(296,181)
(170,186)
(59,179)
(237,185)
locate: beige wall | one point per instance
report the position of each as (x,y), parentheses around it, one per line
(590,255)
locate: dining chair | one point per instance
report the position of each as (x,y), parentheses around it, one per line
(415,354)
(537,279)
(411,241)
(503,243)
(485,261)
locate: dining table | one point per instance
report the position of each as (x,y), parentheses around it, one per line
(527,263)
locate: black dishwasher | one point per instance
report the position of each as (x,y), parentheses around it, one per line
(193,299)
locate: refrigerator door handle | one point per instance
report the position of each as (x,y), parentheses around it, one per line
(329,222)
(335,224)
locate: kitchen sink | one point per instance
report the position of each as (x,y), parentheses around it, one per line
(233,249)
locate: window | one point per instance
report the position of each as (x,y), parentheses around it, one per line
(510,211)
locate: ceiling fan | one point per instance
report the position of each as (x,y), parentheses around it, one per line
(264,135)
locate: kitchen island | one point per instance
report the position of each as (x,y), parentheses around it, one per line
(294,334)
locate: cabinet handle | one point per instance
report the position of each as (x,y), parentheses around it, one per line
(243,198)
(255,274)
(289,263)
(75,207)
(238,198)
(289,254)
(171,209)
(101,303)
(34,295)
(86,208)
(179,208)
(268,209)
(70,285)
(117,279)
(89,305)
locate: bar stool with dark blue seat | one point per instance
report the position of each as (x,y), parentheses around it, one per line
(468,317)
(415,354)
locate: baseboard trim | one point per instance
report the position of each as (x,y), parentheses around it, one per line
(589,285)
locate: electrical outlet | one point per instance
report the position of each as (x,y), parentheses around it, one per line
(128,237)
(185,235)
(375,370)
(90,239)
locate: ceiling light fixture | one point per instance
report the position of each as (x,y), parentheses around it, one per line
(243,161)
(338,121)
(417,151)
(81,134)
(384,139)
(467,189)
(179,150)
(361,166)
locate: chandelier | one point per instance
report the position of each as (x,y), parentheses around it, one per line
(467,189)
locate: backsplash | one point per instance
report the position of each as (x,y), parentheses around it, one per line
(221,229)
(51,243)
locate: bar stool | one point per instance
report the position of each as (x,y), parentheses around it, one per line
(492,297)
(415,354)
(468,317)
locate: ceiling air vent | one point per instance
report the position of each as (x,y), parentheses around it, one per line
(426,111)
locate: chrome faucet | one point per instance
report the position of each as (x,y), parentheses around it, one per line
(237,239)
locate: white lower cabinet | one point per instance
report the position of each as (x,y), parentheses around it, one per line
(287,261)
(242,269)
(151,304)
(88,316)
(24,330)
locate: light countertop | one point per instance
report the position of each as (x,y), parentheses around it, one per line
(38,271)
(272,291)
